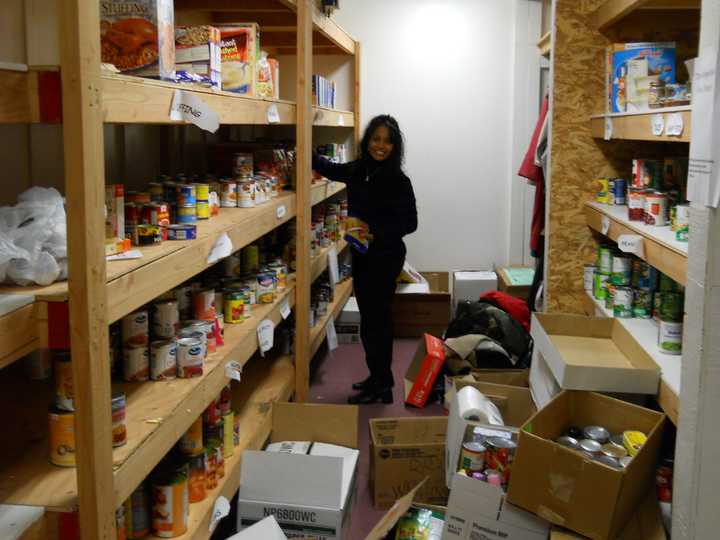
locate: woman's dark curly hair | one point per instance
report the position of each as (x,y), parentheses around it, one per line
(395,160)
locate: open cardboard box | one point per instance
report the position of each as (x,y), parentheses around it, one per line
(404,451)
(309,495)
(423,370)
(568,489)
(507,377)
(416,313)
(573,352)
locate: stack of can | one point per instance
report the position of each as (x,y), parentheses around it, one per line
(598,444)
(611,191)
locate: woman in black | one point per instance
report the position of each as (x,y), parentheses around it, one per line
(381,195)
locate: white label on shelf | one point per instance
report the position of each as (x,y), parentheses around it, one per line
(605,224)
(126,256)
(223,248)
(608,128)
(285,308)
(266,335)
(333,266)
(657,121)
(233,370)
(703,181)
(341,119)
(674,125)
(273,115)
(331,335)
(220,510)
(317,116)
(190,108)
(281,211)
(631,243)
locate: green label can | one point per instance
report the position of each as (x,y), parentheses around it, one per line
(670,337)
(667,284)
(642,303)
(623,302)
(672,306)
(610,295)
(621,270)
(600,286)
(604,262)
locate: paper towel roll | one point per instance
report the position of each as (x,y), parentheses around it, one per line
(474,406)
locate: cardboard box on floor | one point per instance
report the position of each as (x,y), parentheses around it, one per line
(508,377)
(423,370)
(471,284)
(309,495)
(508,286)
(416,313)
(566,488)
(574,352)
(404,451)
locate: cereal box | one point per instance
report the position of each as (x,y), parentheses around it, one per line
(137,37)
(197,50)
(240,52)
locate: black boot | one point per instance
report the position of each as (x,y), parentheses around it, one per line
(372,394)
(361,385)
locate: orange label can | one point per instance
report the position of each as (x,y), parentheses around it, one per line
(62,437)
(197,481)
(191,443)
(170,505)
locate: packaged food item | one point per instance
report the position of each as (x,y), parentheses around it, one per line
(137,513)
(119,428)
(265,87)
(62,437)
(163,360)
(191,443)
(357,234)
(240,49)
(420,524)
(647,173)
(603,190)
(197,50)
(670,337)
(64,393)
(136,362)
(170,502)
(137,36)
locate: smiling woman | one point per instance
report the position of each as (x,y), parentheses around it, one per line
(381,199)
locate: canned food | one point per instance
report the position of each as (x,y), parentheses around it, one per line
(137,513)
(596,433)
(232,266)
(203,210)
(472,456)
(243,165)
(603,190)
(183,295)
(280,275)
(189,358)
(600,287)
(62,437)
(170,503)
(567,441)
(234,307)
(229,195)
(38,365)
(605,258)
(219,458)
(64,392)
(642,303)
(633,441)
(204,304)
(667,284)
(618,191)
(610,296)
(266,288)
(613,450)
(211,415)
(166,319)
(591,446)
(182,232)
(623,302)
(250,256)
(636,204)
(163,360)
(499,456)
(186,214)
(120,528)
(208,328)
(644,276)
(621,270)
(186,195)
(246,194)
(682,222)
(624,462)
(191,443)
(136,363)
(670,337)
(202,191)
(211,479)
(156,191)
(607,460)
(197,481)
(147,235)
(228,425)
(119,429)
(589,277)
(671,307)
(135,327)
(656,209)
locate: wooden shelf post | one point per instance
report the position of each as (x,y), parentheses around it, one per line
(85,191)
(304,209)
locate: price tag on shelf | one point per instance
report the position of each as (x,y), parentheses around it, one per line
(608,128)
(317,116)
(220,510)
(331,335)
(222,248)
(233,371)
(190,108)
(341,120)
(285,308)
(657,121)
(605,224)
(273,115)
(674,125)
(333,266)
(281,211)
(631,243)
(266,335)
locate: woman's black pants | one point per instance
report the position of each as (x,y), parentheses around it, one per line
(374,281)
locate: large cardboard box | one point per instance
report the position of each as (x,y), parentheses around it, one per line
(470,285)
(574,352)
(568,489)
(508,377)
(515,281)
(423,370)
(309,495)
(477,510)
(404,451)
(417,313)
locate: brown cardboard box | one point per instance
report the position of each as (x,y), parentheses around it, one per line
(403,451)
(506,286)
(415,314)
(568,489)
(508,377)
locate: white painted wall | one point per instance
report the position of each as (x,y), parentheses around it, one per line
(446,69)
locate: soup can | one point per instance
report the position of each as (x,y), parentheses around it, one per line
(62,437)
(265,288)
(64,392)
(202,191)
(644,276)
(191,443)
(203,210)
(600,286)
(672,306)
(136,362)
(605,257)
(642,303)
(280,275)
(204,304)
(187,195)
(228,427)
(119,428)
(623,302)
(197,482)
(170,503)
(189,358)
(229,195)
(234,307)
(136,327)
(499,456)
(621,270)
(603,190)
(472,457)
(243,165)
(589,277)
(186,214)
(636,204)
(166,319)
(211,479)
(206,327)
(656,209)
(246,194)
(619,190)
(163,360)
(137,513)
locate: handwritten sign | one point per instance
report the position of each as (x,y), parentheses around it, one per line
(631,243)
(657,122)
(233,370)
(285,308)
(220,510)
(333,266)
(674,125)
(266,336)
(190,108)
(605,226)
(273,115)
(331,335)
(281,211)
(341,120)
(608,128)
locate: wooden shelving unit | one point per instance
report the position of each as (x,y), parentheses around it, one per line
(613,11)
(661,250)
(343,291)
(320,262)
(645,333)
(77,95)
(638,126)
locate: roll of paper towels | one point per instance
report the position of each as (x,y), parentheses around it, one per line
(474,406)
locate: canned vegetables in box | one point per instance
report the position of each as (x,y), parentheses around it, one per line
(137,36)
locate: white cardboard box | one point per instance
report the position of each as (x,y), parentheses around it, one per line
(478,510)
(309,495)
(267,529)
(350,313)
(470,285)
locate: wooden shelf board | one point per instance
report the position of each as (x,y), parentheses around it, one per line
(317,333)
(264,383)
(19,334)
(323,116)
(645,332)
(324,189)
(613,11)
(661,249)
(545,44)
(638,126)
(320,261)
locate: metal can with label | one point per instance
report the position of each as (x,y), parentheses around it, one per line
(189,358)
(217,446)
(170,503)
(670,337)
(605,258)
(682,222)
(232,266)
(136,363)
(589,277)
(621,270)
(202,191)
(472,457)
(119,428)
(672,306)
(208,328)
(600,286)
(623,302)
(642,303)
(183,295)
(136,327)
(64,392)
(229,195)
(211,415)
(203,210)
(228,426)
(163,360)
(186,214)
(266,288)
(656,209)
(62,437)
(211,479)
(204,305)
(182,232)
(234,307)
(197,483)
(191,443)
(610,295)
(186,195)
(166,319)
(499,456)
(603,190)
(148,235)
(596,433)
(618,191)
(636,204)
(280,275)
(246,193)
(644,276)
(137,513)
